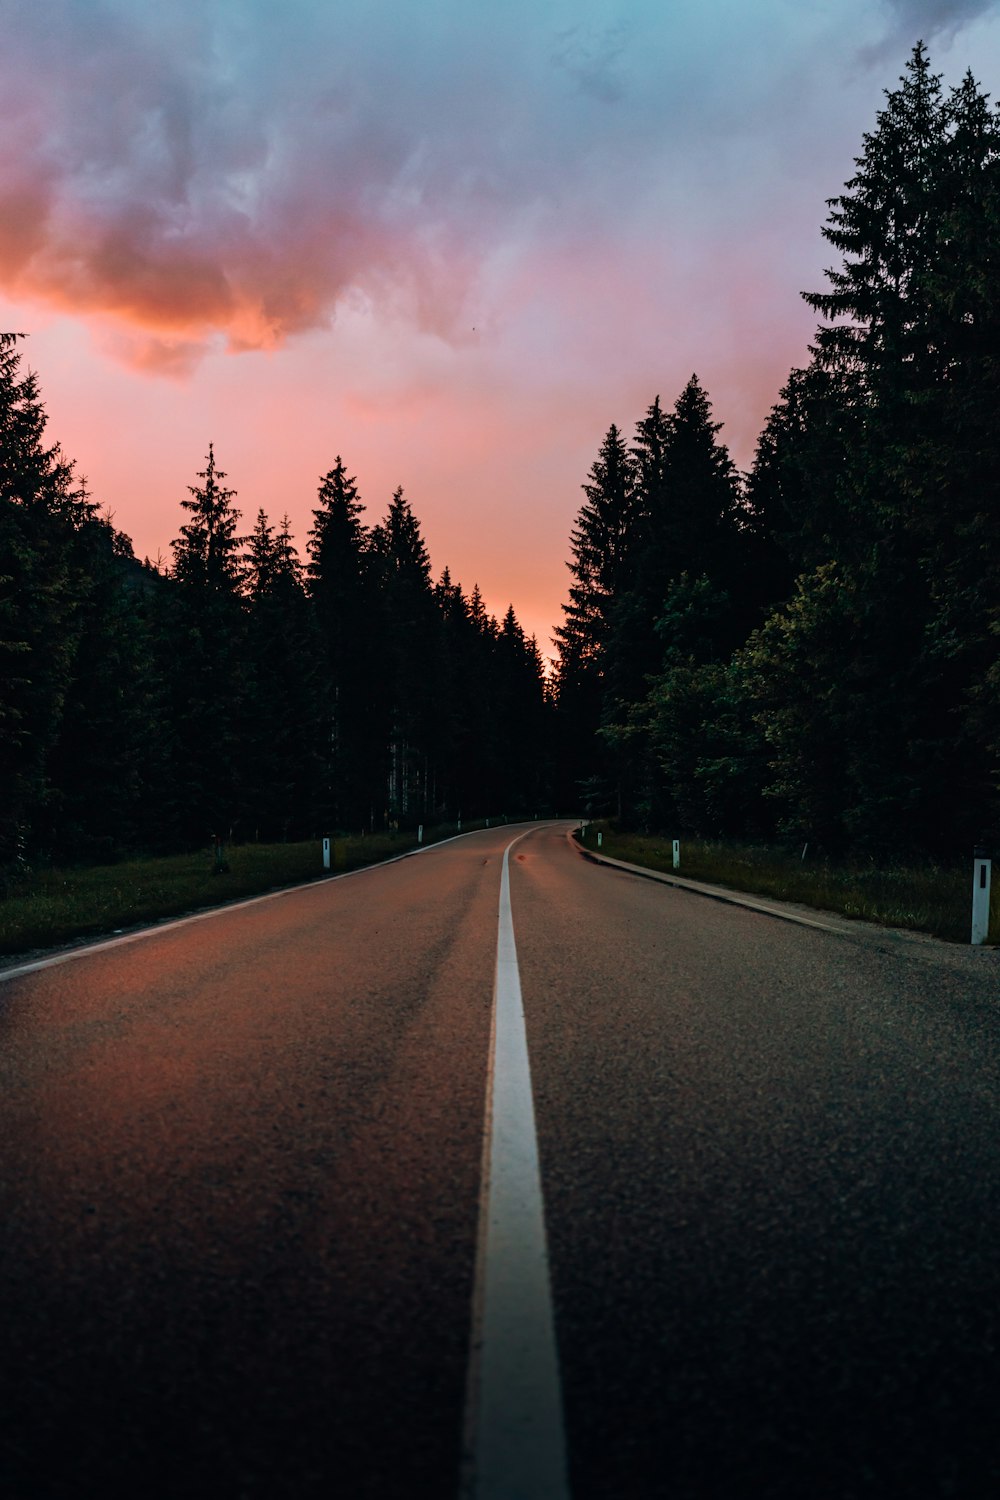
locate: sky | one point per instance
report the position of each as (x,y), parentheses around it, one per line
(450,242)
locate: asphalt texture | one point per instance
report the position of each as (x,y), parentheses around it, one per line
(240,1167)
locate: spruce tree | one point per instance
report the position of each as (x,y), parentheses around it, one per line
(284,712)
(521,773)
(885,224)
(690,524)
(343,590)
(107,765)
(208,552)
(907,581)
(409,640)
(205,633)
(42,508)
(689,503)
(603,548)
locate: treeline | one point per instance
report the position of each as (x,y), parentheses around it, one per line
(811,650)
(240,692)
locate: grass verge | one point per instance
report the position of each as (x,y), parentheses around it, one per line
(53,906)
(935,899)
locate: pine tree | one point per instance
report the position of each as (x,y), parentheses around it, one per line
(343,590)
(521,721)
(602,547)
(799,494)
(691,524)
(689,503)
(409,639)
(693,510)
(885,224)
(42,507)
(900,591)
(337,538)
(208,554)
(205,635)
(284,712)
(107,766)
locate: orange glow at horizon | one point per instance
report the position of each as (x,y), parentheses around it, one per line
(452,247)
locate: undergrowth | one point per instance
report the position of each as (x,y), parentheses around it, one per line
(931,898)
(53,906)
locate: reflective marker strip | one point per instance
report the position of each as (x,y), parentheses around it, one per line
(516,1448)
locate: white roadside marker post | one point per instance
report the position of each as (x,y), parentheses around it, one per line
(420,833)
(677,854)
(326,854)
(600,838)
(981,866)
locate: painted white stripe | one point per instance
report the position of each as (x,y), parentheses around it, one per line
(516,1447)
(85,950)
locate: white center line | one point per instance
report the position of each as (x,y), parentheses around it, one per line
(515,1444)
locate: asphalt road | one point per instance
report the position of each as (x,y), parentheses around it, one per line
(241,1167)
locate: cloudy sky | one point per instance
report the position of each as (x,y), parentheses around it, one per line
(450,241)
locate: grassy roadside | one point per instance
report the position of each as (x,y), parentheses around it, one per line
(53,906)
(927,898)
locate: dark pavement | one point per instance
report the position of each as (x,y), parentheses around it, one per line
(240,1173)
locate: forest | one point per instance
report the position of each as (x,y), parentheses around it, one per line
(805,652)
(239,693)
(809,652)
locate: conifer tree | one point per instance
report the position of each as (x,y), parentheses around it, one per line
(343,590)
(689,526)
(520,716)
(689,507)
(42,506)
(284,712)
(603,548)
(409,641)
(107,765)
(693,508)
(208,552)
(205,635)
(463,706)
(885,224)
(906,311)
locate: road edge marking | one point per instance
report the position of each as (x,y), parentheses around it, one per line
(514,1437)
(101,944)
(712,893)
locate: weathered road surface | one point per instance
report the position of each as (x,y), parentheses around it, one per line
(241,1168)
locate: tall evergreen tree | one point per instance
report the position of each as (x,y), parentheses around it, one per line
(520,719)
(343,589)
(688,502)
(906,311)
(690,527)
(603,546)
(284,711)
(208,552)
(885,224)
(409,639)
(107,764)
(42,507)
(205,631)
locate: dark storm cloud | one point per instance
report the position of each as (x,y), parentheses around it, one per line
(911,21)
(235,171)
